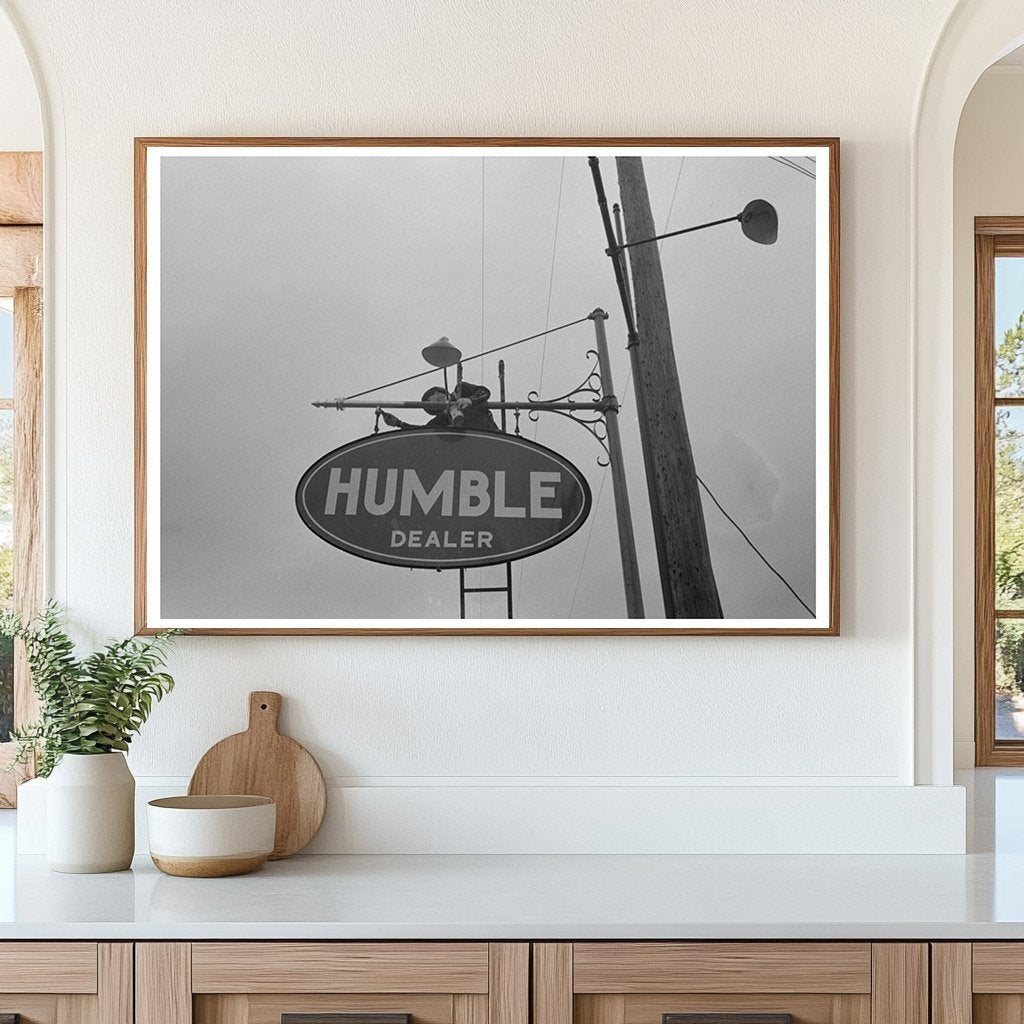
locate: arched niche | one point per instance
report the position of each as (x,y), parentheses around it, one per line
(975,35)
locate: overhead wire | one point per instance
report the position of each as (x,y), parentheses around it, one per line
(754,547)
(551,284)
(544,350)
(790,162)
(483,244)
(467,359)
(799,167)
(793,166)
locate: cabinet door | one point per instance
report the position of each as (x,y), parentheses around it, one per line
(730,983)
(65,983)
(332,983)
(979,982)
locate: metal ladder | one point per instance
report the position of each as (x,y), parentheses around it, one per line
(507,589)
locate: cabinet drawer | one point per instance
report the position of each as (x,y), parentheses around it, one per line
(66,982)
(66,967)
(635,967)
(340,967)
(332,983)
(730,983)
(998,967)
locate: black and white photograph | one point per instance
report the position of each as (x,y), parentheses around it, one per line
(470,385)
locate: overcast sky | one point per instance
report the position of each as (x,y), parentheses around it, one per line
(288,280)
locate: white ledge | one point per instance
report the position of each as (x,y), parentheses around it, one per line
(544,897)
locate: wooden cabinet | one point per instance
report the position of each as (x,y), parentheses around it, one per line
(980,982)
(66,982)
(264,982)
(752,982)
(494,983)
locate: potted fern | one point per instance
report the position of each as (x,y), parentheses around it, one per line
(90,707)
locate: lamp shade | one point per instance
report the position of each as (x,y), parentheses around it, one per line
(760,222)
(442,353)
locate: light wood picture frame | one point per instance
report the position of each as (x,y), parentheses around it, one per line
(282,281)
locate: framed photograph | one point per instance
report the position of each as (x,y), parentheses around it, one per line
(564,386)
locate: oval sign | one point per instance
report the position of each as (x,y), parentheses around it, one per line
(440,498)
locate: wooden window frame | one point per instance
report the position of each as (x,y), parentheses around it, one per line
(993,237)
(21,278)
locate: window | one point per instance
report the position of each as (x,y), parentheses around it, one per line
(999,490)
(6,511)
(20,493)
(21,260)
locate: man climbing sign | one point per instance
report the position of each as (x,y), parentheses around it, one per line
(465,408)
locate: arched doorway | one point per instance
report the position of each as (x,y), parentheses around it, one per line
(976,34)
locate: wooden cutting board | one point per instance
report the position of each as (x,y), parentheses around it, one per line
(262,762)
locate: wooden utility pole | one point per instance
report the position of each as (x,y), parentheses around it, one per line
(688,579)
(623,515)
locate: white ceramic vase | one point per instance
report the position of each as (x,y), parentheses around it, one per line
(90,814)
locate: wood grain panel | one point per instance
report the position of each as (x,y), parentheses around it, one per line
(594,1009)
(469,1009)
(951,983)
(76,1009)
(851,1009)
(508,992)
(227,1009)
(998,1009)
(552,983)
(21,258)
(998,225)
(1010,245)
(998,967)
(21,188)
(339,967)
(899,990)
(163,983)
(65,967)
(805,1008)
(115,983)
(635,967)
(32,1009)
(267,1009)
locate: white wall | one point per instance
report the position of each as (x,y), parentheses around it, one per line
(987,182)
(21,127)
(461,711)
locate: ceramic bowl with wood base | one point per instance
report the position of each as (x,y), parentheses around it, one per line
(211,836)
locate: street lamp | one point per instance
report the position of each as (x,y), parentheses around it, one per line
(758,221)
(442,354)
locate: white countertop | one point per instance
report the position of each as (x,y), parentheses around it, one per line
(977,896)
(496,897)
